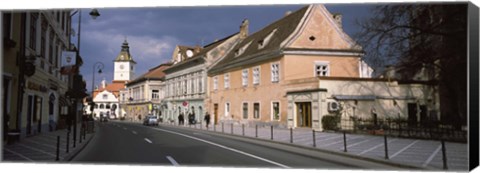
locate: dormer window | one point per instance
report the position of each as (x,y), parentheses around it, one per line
(266,40)
(240,51)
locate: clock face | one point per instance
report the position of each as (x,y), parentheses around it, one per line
(121,66)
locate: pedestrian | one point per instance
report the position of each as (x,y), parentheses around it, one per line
(180,119)
(191,118)
(207,119)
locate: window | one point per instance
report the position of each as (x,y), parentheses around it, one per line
(256,110)
(200,84)
(227,109)
(192,88)
(240,51)
(275,72)
(105,96)
(226,78)
(276,110)
(245,110)
(322,69)
(245,77)
(50,48)
(33,30)
(107,106)
(256,75)
(262,43)
(155,95)
(101,106)
(43,35)
(215,83)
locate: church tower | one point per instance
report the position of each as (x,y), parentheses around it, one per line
(124,66)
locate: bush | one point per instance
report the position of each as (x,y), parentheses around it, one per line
(330,122)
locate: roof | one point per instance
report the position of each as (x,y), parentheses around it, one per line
(124,54)
(155,73)
(201,54)
(114,88)
(283,27)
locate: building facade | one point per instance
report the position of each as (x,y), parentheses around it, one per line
(186,80)
(143,95)
(40,98)
(106,98)
(250,85)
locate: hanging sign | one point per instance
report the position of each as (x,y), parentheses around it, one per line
(68,62)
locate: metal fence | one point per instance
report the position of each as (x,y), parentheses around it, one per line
(404,128)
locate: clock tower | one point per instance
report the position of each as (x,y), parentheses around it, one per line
(124,66)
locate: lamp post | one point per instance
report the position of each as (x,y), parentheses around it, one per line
(99,66)
(73,111)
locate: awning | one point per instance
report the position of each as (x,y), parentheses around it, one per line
(354,97)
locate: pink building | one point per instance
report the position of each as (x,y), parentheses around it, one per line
(251,84)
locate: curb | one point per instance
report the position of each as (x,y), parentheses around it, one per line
(74,153)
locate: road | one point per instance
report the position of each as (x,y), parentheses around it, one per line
(133,143)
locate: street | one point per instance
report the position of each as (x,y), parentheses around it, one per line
(130,143)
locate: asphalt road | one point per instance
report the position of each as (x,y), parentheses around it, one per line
(131,143)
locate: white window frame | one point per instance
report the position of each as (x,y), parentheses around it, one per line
(226,80)
(215,83)
(245,77)
(259,110)
(155,95)
(321,63)
(272,111)
(256,77)
(242,111)
(275,73)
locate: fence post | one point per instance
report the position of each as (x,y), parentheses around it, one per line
(256,130)
(314,139)
(291,135)
(222,128)
(386,145)
(231,128)
(344,142)
(243,129)
(58,148)
(80,136)
(444,155)
(271,132)
(84,133)
(68,141)
(214,127)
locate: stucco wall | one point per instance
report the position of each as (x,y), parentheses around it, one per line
(303,66)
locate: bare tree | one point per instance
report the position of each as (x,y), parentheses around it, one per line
(415,37)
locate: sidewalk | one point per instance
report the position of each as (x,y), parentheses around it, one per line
(43,147)
(423,154)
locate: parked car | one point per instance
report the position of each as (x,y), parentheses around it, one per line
(150,120)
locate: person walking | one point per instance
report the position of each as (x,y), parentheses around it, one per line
(180,119)
(207,119)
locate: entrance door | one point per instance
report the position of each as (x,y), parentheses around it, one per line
(215,113)
(304,114)
(412,115)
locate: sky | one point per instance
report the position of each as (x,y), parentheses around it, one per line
(153,32)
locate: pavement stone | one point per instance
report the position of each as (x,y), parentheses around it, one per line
(42,147)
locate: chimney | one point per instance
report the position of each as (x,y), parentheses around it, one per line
(104,83)
(338,18)
(244,29)
(288,13)
(197,49)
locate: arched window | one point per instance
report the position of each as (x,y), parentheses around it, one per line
(107,106)
(101,106)
(96,106)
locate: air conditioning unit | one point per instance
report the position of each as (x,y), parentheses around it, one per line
(333,106)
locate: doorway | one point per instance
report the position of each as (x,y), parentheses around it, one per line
(215,114)
(304,114)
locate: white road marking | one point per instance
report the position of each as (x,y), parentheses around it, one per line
(358,143)
(174,163)
(134,132)
(124,128)
(18,154)
(225,147)
(149,141)
(431,156)
(376,146)
(403,149)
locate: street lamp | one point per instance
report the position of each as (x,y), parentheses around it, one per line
(99,66)
(73,111)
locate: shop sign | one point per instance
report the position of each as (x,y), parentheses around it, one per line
(37,87)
